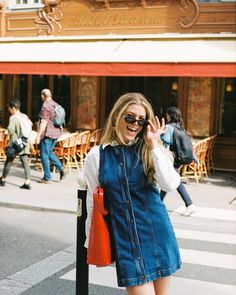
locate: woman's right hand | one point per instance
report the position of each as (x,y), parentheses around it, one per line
(154,131)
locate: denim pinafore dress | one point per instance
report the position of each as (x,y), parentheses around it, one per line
(145,243)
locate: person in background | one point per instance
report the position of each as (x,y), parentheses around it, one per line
(14,130)
(173,116)
(47,137)
(132,166)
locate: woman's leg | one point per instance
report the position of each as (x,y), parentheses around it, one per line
(7,167)
(145,289)
(25,163)
(158,287)
(162,286)
(183,192)
(184,195)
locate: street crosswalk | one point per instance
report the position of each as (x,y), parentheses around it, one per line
(205,236)
(211,213)
(209,260)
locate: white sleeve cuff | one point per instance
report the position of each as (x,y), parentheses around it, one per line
(165,175)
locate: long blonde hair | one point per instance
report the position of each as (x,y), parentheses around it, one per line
(111,130)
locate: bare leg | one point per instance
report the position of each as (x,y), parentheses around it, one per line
(162,286)
(145,289)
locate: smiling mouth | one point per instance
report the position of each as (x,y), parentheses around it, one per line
(132,130)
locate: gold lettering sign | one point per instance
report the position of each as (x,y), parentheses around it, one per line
(113,20)
(107,16)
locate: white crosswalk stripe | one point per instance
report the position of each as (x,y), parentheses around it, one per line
(205,236)
(194,257)
(208,258)
(107,277)
(211,213)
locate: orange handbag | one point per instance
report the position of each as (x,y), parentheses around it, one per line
(99,248)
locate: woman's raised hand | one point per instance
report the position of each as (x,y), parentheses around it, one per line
(154,131)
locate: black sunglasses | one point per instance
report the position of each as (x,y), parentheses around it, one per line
(132,120)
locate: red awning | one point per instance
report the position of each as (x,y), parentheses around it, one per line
(121,69)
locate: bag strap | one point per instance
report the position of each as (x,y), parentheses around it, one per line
(171,129)
(98,194)
(19,117)
(98,197)
(101,158)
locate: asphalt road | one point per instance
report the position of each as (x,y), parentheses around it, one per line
(37,248)
(27,237)
(37,253)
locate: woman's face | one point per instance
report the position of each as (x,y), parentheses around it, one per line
(11,110)
(129,131)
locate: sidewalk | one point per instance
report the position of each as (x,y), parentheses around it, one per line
(218,191)
(58,196)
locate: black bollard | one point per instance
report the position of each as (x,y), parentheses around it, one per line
(81,251)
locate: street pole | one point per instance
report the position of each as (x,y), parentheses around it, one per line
(81,251)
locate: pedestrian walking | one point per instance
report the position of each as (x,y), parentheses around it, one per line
(174,118)
(47,137)
(132,166)
(15,131)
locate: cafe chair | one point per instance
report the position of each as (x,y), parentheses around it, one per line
(3,144)
(95,137)
(34,156)
(83,145)
(65,150)
(209,154)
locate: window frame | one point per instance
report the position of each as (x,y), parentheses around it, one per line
(29,5)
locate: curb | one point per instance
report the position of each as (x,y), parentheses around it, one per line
(36,208)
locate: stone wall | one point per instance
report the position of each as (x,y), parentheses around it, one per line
(199,106)
(87,103)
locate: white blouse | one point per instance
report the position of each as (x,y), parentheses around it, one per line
(166,177)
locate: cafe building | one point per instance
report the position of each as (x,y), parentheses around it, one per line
(89,52)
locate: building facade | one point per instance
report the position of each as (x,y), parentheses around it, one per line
(88,52)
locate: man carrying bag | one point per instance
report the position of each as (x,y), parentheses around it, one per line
(18,145)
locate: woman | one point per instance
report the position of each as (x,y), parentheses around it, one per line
(173,116)
(14,129)
(132,166)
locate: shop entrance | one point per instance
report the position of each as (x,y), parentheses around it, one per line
(27,89)
(162,92)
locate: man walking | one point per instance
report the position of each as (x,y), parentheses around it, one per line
(47,137)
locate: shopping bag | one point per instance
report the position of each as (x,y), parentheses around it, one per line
(99,247)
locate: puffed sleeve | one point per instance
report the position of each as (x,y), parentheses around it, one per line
(166,177)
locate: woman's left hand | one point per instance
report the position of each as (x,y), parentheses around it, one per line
(154,131)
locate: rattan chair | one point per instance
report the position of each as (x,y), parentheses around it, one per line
(83,145)
(95,137)
(209,154)
(4,140)
(66,152)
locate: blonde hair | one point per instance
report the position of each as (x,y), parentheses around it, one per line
(111,131)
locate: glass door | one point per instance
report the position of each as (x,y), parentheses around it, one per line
(62,94)
(39,82)
(20,91)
